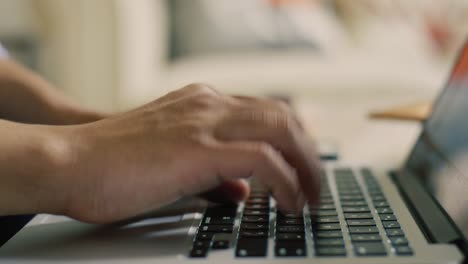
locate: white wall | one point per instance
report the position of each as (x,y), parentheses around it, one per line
(17,17)
(77,44)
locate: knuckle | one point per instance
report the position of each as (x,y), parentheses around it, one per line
(192,128)
(202,101)
(265,152)
(282,106)
(201,88)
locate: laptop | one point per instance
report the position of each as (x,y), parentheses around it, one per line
(415,214)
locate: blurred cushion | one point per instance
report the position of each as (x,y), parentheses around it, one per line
(3,52)
(226,26)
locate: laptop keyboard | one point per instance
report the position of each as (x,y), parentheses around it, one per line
(342,225)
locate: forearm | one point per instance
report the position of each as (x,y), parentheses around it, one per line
(31,161)
(26,97)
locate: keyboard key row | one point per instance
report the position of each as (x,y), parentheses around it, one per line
(396,236)
(254,227)
(215,231)
(364,233)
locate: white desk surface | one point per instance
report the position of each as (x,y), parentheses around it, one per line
(345,122)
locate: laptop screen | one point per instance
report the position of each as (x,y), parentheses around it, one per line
(440,157)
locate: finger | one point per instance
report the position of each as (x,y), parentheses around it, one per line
(237,160)
(276,128)
(230,191)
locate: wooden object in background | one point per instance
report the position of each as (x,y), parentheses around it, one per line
(413,112)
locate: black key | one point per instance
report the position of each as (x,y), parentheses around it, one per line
(289,216)
(352,198)
(253,233)
(262,195)
(353,203)
(217,228)
(381,204)
(376,193)
(347,184)
(327,201)
(351,192)
(345,181)
(326,219)
(254,226)
(363,230)
(220,244)
(399,241)
(374,189)
(384,210)
(369,249)
(365,238)
(330,251)
(204,236)
(256,206)
(378,198)
(403,251)
(258,201)
(251,247)
(255,219)
(290,221)
(387,217)
(198,252)
(324,213)
(327,196)
(361,222)
(362,209)
(257,212)
(358,216)
(330,242)
(290,236)
(394,232)
(290,229)
(390,224)
(328,234)
(221,241)
(290,249)
(326,227)
(326,207)
(343,172)
(201,243)
(222,210)
(367,173)
(223,220)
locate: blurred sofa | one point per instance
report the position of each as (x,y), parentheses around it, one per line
(115,54)
(384,60)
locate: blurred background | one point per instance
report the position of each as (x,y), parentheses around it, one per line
(115,54)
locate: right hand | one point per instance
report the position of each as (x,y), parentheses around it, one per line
(186,143)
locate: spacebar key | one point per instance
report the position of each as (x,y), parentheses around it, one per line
(251,247)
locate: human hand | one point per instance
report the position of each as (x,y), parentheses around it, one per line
(186,143)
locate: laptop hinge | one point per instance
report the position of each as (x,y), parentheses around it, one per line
(433,221)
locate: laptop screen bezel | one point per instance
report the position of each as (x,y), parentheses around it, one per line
(407,171)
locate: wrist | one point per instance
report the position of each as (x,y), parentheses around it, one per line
(72,115)
(51,153)
(32,164)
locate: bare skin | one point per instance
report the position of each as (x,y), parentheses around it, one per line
(192,141)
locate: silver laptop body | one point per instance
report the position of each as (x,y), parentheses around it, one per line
(417,214)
